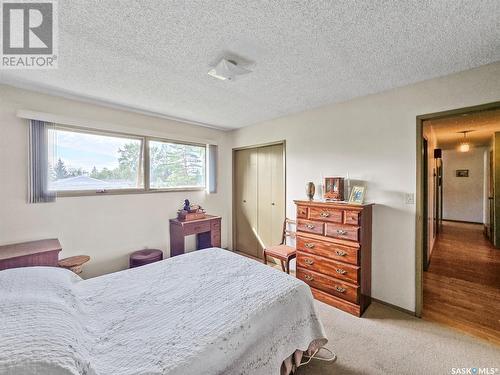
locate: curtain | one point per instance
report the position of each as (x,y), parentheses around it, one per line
(41,147)
(212,168)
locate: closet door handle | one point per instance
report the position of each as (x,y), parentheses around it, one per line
(272,204)
(244,201)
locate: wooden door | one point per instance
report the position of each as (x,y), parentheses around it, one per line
(259,198)
(245,202)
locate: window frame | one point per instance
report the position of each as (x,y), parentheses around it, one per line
(146,189)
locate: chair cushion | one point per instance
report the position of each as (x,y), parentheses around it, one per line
(280,251)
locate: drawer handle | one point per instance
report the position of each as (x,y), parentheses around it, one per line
(340,253)
(308,278)
(309,245)
(339,289)
(309,226)
(341,232)
(309,261)
(340,271)
(324,214)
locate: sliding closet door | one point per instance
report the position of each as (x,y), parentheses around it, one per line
(259,198)
(264,195)
(270,208)
(277,193)
(246,202)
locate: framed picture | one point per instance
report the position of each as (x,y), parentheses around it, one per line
(334,188)
(357,195)
(462,173)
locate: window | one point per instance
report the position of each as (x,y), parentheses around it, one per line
(88,162)
(174,165)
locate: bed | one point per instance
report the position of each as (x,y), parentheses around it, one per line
(206,312)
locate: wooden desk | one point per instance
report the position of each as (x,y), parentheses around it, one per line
(27,254)
(207,232)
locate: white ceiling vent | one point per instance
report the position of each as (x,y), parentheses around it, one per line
(227,70)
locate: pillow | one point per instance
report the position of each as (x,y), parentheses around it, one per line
(42,327)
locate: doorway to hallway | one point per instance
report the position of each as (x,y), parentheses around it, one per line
(458,269)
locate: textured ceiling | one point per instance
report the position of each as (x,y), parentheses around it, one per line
(154,55)
(482,125)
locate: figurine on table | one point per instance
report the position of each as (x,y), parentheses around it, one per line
(187,205)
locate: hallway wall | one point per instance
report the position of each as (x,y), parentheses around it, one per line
(430,136)
(463,196)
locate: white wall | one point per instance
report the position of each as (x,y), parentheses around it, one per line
(463,197)
(107,228)
(374,139)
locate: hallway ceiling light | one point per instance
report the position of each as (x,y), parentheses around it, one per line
(464,145)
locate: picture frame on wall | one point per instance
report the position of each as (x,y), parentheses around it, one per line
(462,173)
(357,195)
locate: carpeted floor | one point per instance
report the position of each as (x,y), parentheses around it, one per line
(386,341)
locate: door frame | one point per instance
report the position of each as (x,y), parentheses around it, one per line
(420,192)
(233,181)
(425,199)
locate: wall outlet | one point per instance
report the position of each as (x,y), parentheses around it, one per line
(409,198)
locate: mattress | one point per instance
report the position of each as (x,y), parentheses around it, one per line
(206,312)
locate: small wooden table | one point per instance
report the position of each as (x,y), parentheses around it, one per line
(27,254)
(207,230)
(74,263)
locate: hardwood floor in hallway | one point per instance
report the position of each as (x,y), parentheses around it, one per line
(462,285)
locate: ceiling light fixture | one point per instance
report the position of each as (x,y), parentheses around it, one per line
(464,145)
(227,70)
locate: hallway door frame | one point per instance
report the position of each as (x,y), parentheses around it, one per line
(421,204)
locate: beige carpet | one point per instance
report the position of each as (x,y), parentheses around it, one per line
(386,341)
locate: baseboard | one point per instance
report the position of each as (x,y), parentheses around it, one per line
(409,312)
(462,221)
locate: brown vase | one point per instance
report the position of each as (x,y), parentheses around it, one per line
(310,190)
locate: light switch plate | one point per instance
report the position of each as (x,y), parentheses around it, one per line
(409,198)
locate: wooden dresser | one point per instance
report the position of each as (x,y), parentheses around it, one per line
(334,252)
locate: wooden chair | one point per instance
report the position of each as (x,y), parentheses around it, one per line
(283,252)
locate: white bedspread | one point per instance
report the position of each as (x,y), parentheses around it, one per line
(207,312)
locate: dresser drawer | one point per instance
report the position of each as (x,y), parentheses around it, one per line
(329,284)
(328,249)
(328,267)
(344,232)
(309,226)
(351,217)
(302,212)
(196,227)
(326,214)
